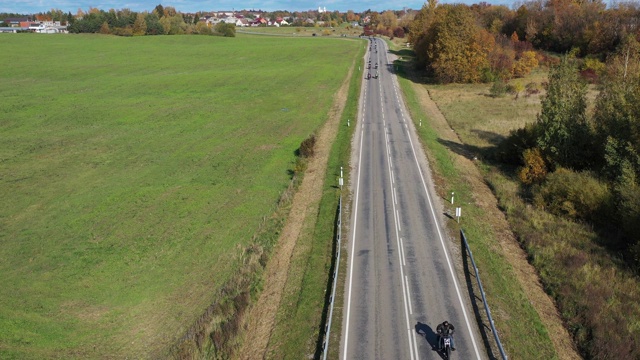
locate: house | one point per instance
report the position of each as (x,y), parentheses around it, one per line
(44,29)
(213,20)
(259,21)
(9,29)
(15,22)
(281,22)
(229,20)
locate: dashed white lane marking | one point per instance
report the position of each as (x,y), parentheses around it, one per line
(408,294)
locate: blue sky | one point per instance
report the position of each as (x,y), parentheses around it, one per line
(34,6)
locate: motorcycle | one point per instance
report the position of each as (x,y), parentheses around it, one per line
(446,345)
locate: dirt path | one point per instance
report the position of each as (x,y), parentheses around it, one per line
(261,316)
(484,198)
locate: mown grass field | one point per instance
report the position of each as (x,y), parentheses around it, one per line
(133,171)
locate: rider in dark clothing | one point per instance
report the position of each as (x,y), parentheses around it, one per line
(445,329)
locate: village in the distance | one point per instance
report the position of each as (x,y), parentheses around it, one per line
(56,21)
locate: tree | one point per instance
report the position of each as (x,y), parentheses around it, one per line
(456,46)
(534,170)
(388,19)
(351,15)
(104,29)
(203,29)
(153,24)
(140,25)
(528,61)
(227,30)
(617,112)
(565,137)
(173,25)
(159,10)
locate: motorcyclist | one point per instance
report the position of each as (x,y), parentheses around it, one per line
(445,329)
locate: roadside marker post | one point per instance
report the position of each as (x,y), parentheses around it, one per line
(458,213)
(452,198)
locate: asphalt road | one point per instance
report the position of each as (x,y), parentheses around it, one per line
(401,281)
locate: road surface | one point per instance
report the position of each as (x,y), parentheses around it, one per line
(401,281)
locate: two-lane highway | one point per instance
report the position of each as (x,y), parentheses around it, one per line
(401,281)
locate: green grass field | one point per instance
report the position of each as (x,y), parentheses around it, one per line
(133,171)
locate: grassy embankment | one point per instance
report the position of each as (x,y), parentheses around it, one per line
(135,172)
(300,321)
(519,325)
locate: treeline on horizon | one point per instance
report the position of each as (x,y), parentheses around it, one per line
(167,20)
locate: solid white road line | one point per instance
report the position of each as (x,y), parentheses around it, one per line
(353,240)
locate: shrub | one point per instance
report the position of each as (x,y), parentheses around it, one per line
(534,170)
(595,65)
(511,149)
(515,89)
(578,195)
(532,88)
(589,76)
(498,89)
(307,147)
(527,62)
(548,60)
(125,31)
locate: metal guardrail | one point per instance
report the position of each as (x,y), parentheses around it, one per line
(484,299)
(325,345)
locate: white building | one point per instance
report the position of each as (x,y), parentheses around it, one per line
(48,27)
